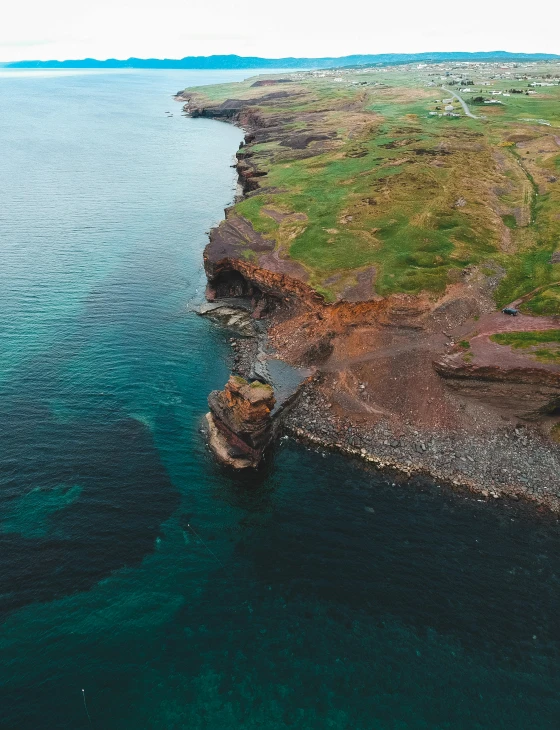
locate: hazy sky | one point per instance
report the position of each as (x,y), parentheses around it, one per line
(59,29)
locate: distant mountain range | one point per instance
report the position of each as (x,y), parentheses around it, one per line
(241,62)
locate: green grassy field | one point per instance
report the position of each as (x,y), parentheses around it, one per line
(421,198)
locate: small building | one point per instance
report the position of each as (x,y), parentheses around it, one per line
(449,108)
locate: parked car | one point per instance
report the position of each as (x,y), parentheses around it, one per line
(510,310)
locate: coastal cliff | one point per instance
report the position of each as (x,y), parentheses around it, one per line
(392,384)
(528,392)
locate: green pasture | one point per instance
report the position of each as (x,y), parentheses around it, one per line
(384,194)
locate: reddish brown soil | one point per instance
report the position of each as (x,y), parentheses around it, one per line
(381,364)
(485,352)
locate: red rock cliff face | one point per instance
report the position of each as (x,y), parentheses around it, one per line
(529,392)
(240,421)
(240,262)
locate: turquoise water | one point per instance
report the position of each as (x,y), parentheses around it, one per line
(312,594)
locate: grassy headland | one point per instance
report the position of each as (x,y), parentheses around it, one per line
(379,172)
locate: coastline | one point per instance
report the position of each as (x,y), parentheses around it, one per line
(512,459)
(315,589)
(511,466)
(513,463)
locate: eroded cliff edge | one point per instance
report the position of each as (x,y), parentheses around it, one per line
(398,382)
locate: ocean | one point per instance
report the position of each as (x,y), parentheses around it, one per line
(142,585)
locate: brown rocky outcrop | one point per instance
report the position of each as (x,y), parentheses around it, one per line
(240,421)
(230,272)
(528,392)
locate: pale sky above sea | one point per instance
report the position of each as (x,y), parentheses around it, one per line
(62,29)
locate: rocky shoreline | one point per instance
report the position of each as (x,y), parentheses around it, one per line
(512,463)
(376,394)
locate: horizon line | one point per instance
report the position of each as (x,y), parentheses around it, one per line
(90,59)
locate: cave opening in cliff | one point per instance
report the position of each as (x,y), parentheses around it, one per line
(231,283)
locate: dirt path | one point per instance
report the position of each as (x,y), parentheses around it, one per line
(525,297)
(497,322)
(487,352)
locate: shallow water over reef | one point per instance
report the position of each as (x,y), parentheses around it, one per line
(312,594)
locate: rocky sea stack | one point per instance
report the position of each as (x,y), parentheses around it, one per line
(240,421)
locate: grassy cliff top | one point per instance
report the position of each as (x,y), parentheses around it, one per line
(376,178)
